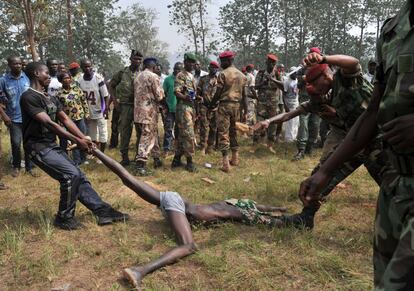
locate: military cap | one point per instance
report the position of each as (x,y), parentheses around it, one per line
(190,57)
(214,64)
(250,66)
(227,55)
(315,50)
(272,57)
(149,60)
(74,65)
(136,53)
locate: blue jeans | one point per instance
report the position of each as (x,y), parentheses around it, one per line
(168,131)
(16,138)
(73,182)
(78,156)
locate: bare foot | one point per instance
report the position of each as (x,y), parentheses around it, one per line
(134,276)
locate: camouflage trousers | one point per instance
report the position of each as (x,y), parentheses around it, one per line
(125,126)
(251,111)
(148,141)
(184,119)
(227,115)
(373,158)
(308,130)
(266,110)
(394,232)
(208,126)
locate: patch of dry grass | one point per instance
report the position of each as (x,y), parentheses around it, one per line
(335,256)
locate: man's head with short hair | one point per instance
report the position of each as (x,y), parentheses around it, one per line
(38,73)
(53,65)
(86,66)
(61,66)
(372,66)
(15,65)
(136,59)
(178,67)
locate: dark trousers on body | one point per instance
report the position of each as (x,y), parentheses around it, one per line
(16,139)
(73,182)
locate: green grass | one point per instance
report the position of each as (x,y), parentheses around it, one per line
(336,255)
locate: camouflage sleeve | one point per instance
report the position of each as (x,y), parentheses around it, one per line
(179,83)
(156,88)
(379,73)
(221,81)
(353,75)
(200,86)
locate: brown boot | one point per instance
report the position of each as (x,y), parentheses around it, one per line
(226,165)
(234,158)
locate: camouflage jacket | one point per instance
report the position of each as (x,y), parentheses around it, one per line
(231,83)
(148,93)
(395,56)
(267,91)
(123,83)
(350,97)
(207,88)
(184,83)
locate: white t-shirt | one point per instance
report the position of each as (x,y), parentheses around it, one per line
(53,87)
(95,91)
(291,89)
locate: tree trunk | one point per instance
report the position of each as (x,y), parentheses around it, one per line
(70,34)
(203,32)
(30,30)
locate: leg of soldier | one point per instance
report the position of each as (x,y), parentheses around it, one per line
(251,111)
(212,133)
(204,126)
(393,238)
(114,127)
(279,127)
(234,116)
(261,116)
(185,140)
(168,131)
(302,137)
(271,130)
(148,144)
(323,131)
(313,132)
(125,126)
(223,133)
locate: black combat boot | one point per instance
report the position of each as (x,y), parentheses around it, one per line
(125,160)
(303,220)
(157,163)
(190,166)
(176,162)
(309,148)
(141,169)
(300,155)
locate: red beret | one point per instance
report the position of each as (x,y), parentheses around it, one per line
(226,54)
(272,57)
(250,66)
(315,71)
(315,50)
(214,64)
(243,70)
(74,65)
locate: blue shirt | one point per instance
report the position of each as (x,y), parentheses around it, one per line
(11,89)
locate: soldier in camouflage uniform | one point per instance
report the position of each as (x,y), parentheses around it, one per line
(268,99)
(185,91)
(231,85)
(308,124)
(122,90)
(391,110)
(205,91)
(148,93)
(350,97)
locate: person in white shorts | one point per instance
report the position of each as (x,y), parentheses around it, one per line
(96,93)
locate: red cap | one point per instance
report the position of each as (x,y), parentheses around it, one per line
(214,64)
(74,65)
(250,66)
(315,50)
(272,57)
(315,71)
(243,70)
(227,54)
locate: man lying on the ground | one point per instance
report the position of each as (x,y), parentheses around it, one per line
(180,212)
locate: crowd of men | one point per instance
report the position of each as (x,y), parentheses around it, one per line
(369,118)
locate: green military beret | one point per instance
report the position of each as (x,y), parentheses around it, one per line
(190,57)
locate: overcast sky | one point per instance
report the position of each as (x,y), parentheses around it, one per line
(168,33)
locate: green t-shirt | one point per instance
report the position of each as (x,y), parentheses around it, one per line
(170,97)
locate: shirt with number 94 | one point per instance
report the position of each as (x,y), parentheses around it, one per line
(95,93)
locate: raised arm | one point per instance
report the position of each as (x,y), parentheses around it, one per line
(142,189)
(348,64)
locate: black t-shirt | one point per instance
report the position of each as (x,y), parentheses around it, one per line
(35,135)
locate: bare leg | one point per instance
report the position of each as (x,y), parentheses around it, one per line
(182,230)
(142,189)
